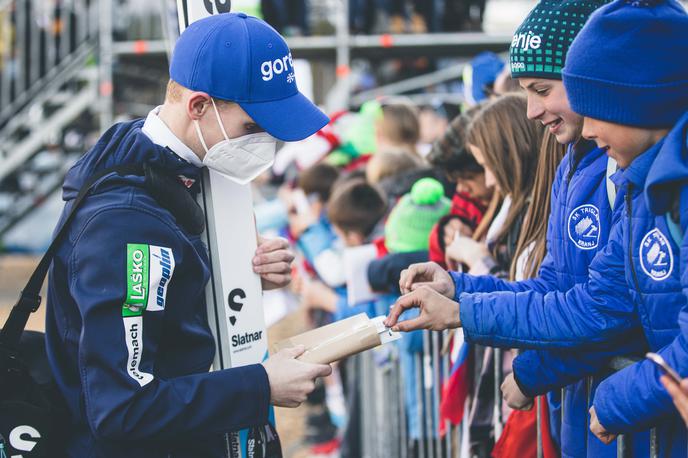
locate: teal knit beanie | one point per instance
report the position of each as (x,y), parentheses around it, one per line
(539,46)
(412,218)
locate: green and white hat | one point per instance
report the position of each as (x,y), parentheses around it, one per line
(539,46)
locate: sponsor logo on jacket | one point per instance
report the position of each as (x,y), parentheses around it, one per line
(149,272)
(584,227)
(656,257)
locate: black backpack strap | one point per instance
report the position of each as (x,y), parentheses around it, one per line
(30,299)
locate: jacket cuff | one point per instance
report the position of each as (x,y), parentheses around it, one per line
(615,410)
(457,278)
(253,382)
(605,411)
(265,393)
(467,306)
(521,378)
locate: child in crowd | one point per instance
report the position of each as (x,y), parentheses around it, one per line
(507,145)
(390,164)
(309,225)
(519,438)
(315,240)
(472,196)
(641,120)
(395,172)
(355,210)
(398,128)
(413,217)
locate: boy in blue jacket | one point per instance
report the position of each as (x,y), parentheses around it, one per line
(634,283)
(127,335)
(625,115)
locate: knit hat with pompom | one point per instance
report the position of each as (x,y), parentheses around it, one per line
(412,218)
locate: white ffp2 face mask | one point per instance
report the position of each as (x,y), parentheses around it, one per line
(240,159)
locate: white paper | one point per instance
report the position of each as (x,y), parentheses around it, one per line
(386,334)
(356,262)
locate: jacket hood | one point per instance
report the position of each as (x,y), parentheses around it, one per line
(670,168)
(124,143)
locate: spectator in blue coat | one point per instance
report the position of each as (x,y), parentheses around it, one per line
(641,117)
(634,283)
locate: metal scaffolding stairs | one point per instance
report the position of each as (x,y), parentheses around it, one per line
(47,83)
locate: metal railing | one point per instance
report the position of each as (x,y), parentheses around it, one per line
(400,413)
(39,40)
(48,79)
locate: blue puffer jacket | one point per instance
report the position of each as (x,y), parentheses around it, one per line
(126,327)
(621,296)
(634,398)
(579,198)
(579,223)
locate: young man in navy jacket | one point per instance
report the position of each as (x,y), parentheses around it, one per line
(635,282)
(126,326)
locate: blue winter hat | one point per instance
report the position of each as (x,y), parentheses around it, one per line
(629,64)
(480,74)
(240,58)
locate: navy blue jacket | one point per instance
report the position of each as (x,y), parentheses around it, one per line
(634,398)
(633,285)
(126,329)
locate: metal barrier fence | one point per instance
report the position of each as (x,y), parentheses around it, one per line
(390,424)
(393,425)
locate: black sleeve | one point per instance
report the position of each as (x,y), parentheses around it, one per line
(383,274)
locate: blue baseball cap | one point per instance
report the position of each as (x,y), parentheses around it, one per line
(241,59)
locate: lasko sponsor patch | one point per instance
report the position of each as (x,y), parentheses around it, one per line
(137,279)
(656,257)
(149,271)
(584,227)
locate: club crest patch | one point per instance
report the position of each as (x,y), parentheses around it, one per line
(584,227)
(656,257)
